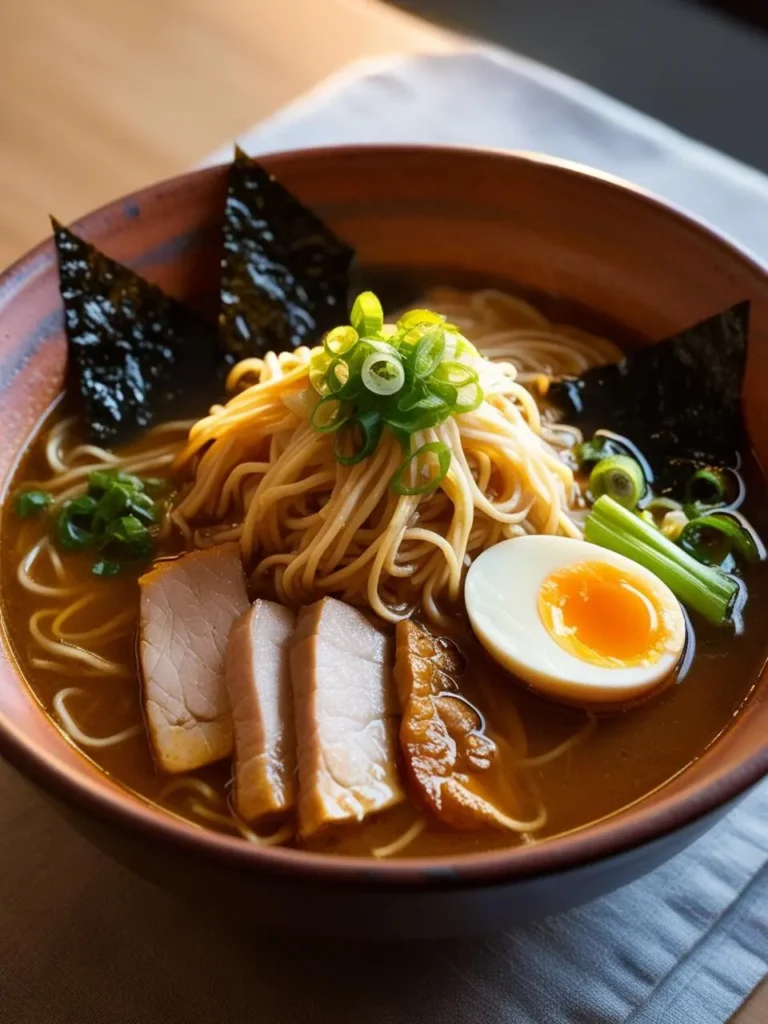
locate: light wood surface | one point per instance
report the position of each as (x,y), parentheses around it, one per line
(100,97)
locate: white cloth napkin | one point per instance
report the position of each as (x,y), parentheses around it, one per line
(686,944)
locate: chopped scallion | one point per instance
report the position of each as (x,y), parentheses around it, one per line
(707,486)
(711,538)
(383,373)
(417,464)
(330,414)
(408,377)
(367,316)
(590,452)
(340,341)
(31,503)
(358,438)
(621,478)
(673,523)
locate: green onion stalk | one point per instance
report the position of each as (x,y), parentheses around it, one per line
(707,590)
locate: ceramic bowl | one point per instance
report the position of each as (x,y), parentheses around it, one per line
(551,228)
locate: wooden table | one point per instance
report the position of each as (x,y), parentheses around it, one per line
(100,97)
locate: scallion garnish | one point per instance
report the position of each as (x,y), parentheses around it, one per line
(383,373)
(673,523)
(129,536)
(707,486)
(367,316)
(661,504)
(406,377)
(340,341)
(330,414)
(590,452)
(420,462)
(31,503)
(114,517)
(711,538)
(358,438)
(704,589)
(619,477)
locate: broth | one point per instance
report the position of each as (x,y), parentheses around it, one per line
(630,753)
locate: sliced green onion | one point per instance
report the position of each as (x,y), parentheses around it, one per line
(711,538)
(469,398)
(132,537)
(337,376)
(424,406)
(707,486)
(428,353)
(73,523)
(361,434)
(589,452)
(101,480)
(318,368)
(673,523)
(667,514)
(417,397)
(113,503)
(367,316)
(706,590)
(455,373)
(445,393)
(410,466)
(662,504)
(418,419)
(330,414)
(417,317)
(340,341)
(411,376)
(382,373)
(144,507)
(465,350)
(31,503)
(621,478)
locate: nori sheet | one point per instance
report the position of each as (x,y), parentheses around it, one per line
(678,400)
(284,273)
(136,356)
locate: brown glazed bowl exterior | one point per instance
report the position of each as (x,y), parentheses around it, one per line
(547,226)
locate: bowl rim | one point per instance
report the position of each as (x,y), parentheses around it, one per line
(131,813)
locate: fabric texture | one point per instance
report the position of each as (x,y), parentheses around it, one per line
(82,941)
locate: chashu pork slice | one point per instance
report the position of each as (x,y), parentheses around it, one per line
(346,716)
(259,686)
(188,608)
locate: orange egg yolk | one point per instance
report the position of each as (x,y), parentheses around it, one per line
(604,616)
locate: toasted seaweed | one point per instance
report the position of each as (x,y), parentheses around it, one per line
(678,400)
(284,272)
(136,356)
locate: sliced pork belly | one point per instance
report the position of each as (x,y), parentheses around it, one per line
(188,608)
(259,686)
(346,716)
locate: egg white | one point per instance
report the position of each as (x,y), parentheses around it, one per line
(501,595)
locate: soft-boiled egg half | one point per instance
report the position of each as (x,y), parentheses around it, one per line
(573,620)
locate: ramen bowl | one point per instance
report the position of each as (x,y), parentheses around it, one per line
(587,241)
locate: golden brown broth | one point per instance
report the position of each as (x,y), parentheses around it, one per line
(630,753)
